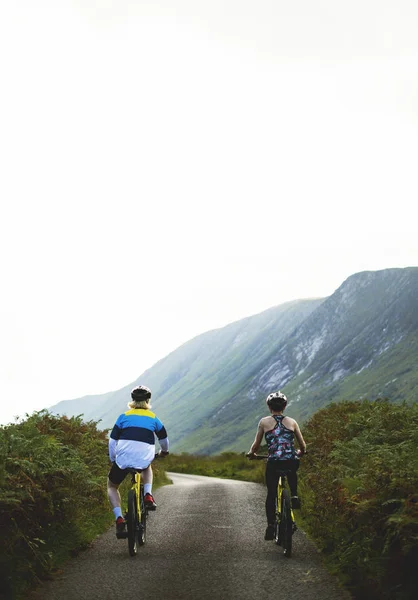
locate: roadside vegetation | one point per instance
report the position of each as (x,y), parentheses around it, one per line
(53,499)
(359,490)
(228,465)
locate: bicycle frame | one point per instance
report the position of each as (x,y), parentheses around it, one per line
(136,486)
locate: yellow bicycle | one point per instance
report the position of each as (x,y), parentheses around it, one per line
(285,524)
(135,515)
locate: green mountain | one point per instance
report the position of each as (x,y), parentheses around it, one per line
(361,342)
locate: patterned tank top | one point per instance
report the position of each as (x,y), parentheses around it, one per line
(280,441)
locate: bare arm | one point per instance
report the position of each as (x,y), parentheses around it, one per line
(299,437)
(258,439)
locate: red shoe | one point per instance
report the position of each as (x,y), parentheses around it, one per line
(149,502)
(120,525)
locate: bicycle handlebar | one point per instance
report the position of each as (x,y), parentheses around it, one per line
(264,456)
(256,456)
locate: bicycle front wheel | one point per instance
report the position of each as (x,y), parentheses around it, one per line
(132,523)
(286,525)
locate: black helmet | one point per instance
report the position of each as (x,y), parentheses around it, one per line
(141,393)
(277,399)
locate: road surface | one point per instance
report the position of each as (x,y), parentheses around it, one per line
(205,541)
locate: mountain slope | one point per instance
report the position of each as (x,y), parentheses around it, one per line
(201,372)
(360,342)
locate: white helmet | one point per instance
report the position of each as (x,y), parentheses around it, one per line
(277,398)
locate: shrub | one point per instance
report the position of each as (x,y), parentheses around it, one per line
(359,484)
(52,494)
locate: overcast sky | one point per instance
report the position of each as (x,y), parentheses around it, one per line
(171,166)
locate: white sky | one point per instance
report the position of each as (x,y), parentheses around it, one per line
(171,166)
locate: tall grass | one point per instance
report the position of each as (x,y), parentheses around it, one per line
(229,465)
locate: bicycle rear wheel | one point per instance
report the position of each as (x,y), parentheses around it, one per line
(132,523)
(286,525)
(277,538)
(143,524)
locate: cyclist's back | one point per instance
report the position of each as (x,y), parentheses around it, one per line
(132,442)
(280,439)
(132,445)
(280,432)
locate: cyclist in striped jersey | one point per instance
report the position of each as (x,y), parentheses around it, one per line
(132,445)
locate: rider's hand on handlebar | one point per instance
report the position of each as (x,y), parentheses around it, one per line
(251,455)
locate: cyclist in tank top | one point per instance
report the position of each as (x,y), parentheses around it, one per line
(279,432)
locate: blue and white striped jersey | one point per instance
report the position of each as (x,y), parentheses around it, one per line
(132,440)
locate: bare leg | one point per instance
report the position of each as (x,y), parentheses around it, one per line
(113,494)
(147,475)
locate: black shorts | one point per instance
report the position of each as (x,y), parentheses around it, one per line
(117,475)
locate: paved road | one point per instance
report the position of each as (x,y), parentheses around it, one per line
(206,540)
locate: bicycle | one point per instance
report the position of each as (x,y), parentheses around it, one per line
(136,513)
(285,524)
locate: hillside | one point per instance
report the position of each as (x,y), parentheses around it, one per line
(201,372)
(362,341)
